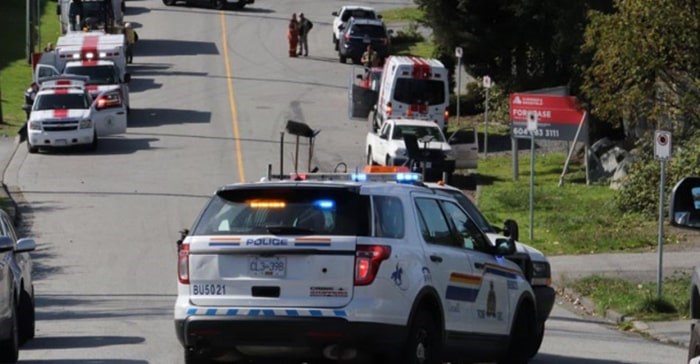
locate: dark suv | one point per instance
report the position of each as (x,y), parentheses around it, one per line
(359,33)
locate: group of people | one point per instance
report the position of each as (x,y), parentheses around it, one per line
(297,35)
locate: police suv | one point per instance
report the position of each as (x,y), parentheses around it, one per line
(345,268)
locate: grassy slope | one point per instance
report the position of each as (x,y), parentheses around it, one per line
(15,72)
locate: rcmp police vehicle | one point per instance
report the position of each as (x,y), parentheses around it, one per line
(344,268)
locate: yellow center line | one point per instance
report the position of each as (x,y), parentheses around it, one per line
(232,101)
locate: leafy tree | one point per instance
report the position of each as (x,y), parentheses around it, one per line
(645,67)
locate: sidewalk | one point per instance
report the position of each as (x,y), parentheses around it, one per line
(636,266)
(8,146)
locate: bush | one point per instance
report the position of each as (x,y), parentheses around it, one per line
(408,35)
(641,188)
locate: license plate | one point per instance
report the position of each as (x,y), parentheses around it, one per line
(267,267)
(60,142)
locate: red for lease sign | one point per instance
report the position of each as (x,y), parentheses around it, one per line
(558,116)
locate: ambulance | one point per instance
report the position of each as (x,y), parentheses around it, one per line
(97,55)
(415,88)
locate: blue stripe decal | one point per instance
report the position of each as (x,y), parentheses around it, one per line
(268,312)
(224,244)
(313,244)
(232,312)
(501,273)
(211,312)
(461,293)
(253,312)
(292,313)
(340,313)
(315,313)
(191,311)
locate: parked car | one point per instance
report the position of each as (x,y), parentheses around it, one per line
(358,34)
(342,16)
(17,321)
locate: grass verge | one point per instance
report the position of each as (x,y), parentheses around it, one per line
(572,219)
(402,14)
(15,71)
(638,299)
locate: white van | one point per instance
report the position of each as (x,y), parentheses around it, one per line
(413,87)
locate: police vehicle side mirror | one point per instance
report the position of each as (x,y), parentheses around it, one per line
(27,107)
(684,209)
(25,245)
(511,230)
(127,78)
(505,247)
(380,16)
(335,13)
(183,235)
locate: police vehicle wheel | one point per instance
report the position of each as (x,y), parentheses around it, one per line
(335,41)
(694,348)
(537,341)
(387,161)
(93,146)
(169,2)
(423,340)
(31,149)
(9,348)
(26,317)
(521,336)
(342,58)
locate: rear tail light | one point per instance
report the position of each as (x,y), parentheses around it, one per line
(367,261)
(447,115)
(108,101)
(183,264)
(389,109)
(346,36)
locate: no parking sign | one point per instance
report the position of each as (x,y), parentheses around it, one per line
(662,144)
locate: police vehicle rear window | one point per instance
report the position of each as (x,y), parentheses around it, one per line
(374,31)
(61,101)
(415,91)
(286,211)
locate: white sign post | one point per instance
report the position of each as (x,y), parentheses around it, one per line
(458,53)
(532,128)
(487,85)
(662,152)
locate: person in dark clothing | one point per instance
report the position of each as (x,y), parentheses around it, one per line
(305,26)
(76,15)
(29,97)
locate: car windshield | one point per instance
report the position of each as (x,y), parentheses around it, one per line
(419,131)
(374,31)
(61,101)
(286,211)
(357,14)
(416,91)
(99,75)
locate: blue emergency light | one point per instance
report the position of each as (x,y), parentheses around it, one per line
(325,204)
(407,177)
(359,177)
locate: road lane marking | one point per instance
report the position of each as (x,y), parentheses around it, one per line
(232,100)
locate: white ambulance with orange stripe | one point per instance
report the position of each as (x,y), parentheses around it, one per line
(64,115)
(361,268)
(414,88)
(97,55)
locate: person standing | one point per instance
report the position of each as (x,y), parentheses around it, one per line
(29,97)
(370,58)
(305,26)
(131,38)
(76,11)
(293,35)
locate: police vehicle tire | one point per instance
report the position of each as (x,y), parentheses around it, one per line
(93,146)
(9,348)
(387,160)
(423,341)
(26,317)
(336,43)
(537,341)
(31,149)
(342,58)
(169,2)
(694,348)
(370,160)
(521,336)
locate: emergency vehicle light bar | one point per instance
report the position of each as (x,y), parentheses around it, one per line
(401,177)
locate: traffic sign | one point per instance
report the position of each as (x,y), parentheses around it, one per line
(487,82)
(459,52)
(532,121)
(662,144)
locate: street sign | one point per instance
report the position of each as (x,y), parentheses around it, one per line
(532,121)
(662,144)
(459,52)
(558,117)
(487,82)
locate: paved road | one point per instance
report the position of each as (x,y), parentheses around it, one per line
(106,222)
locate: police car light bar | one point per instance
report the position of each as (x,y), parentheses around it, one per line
(402,177)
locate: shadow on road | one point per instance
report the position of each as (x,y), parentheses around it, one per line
(559,359)
(172,47)
(64,307)
(154,117)
(143,84)
(116,145)
(41,270)
(72,342)
(85,361)
(136,10)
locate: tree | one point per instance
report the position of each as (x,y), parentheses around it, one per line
(645,67)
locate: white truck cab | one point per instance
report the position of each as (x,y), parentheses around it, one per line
(64,114)
(343,267)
